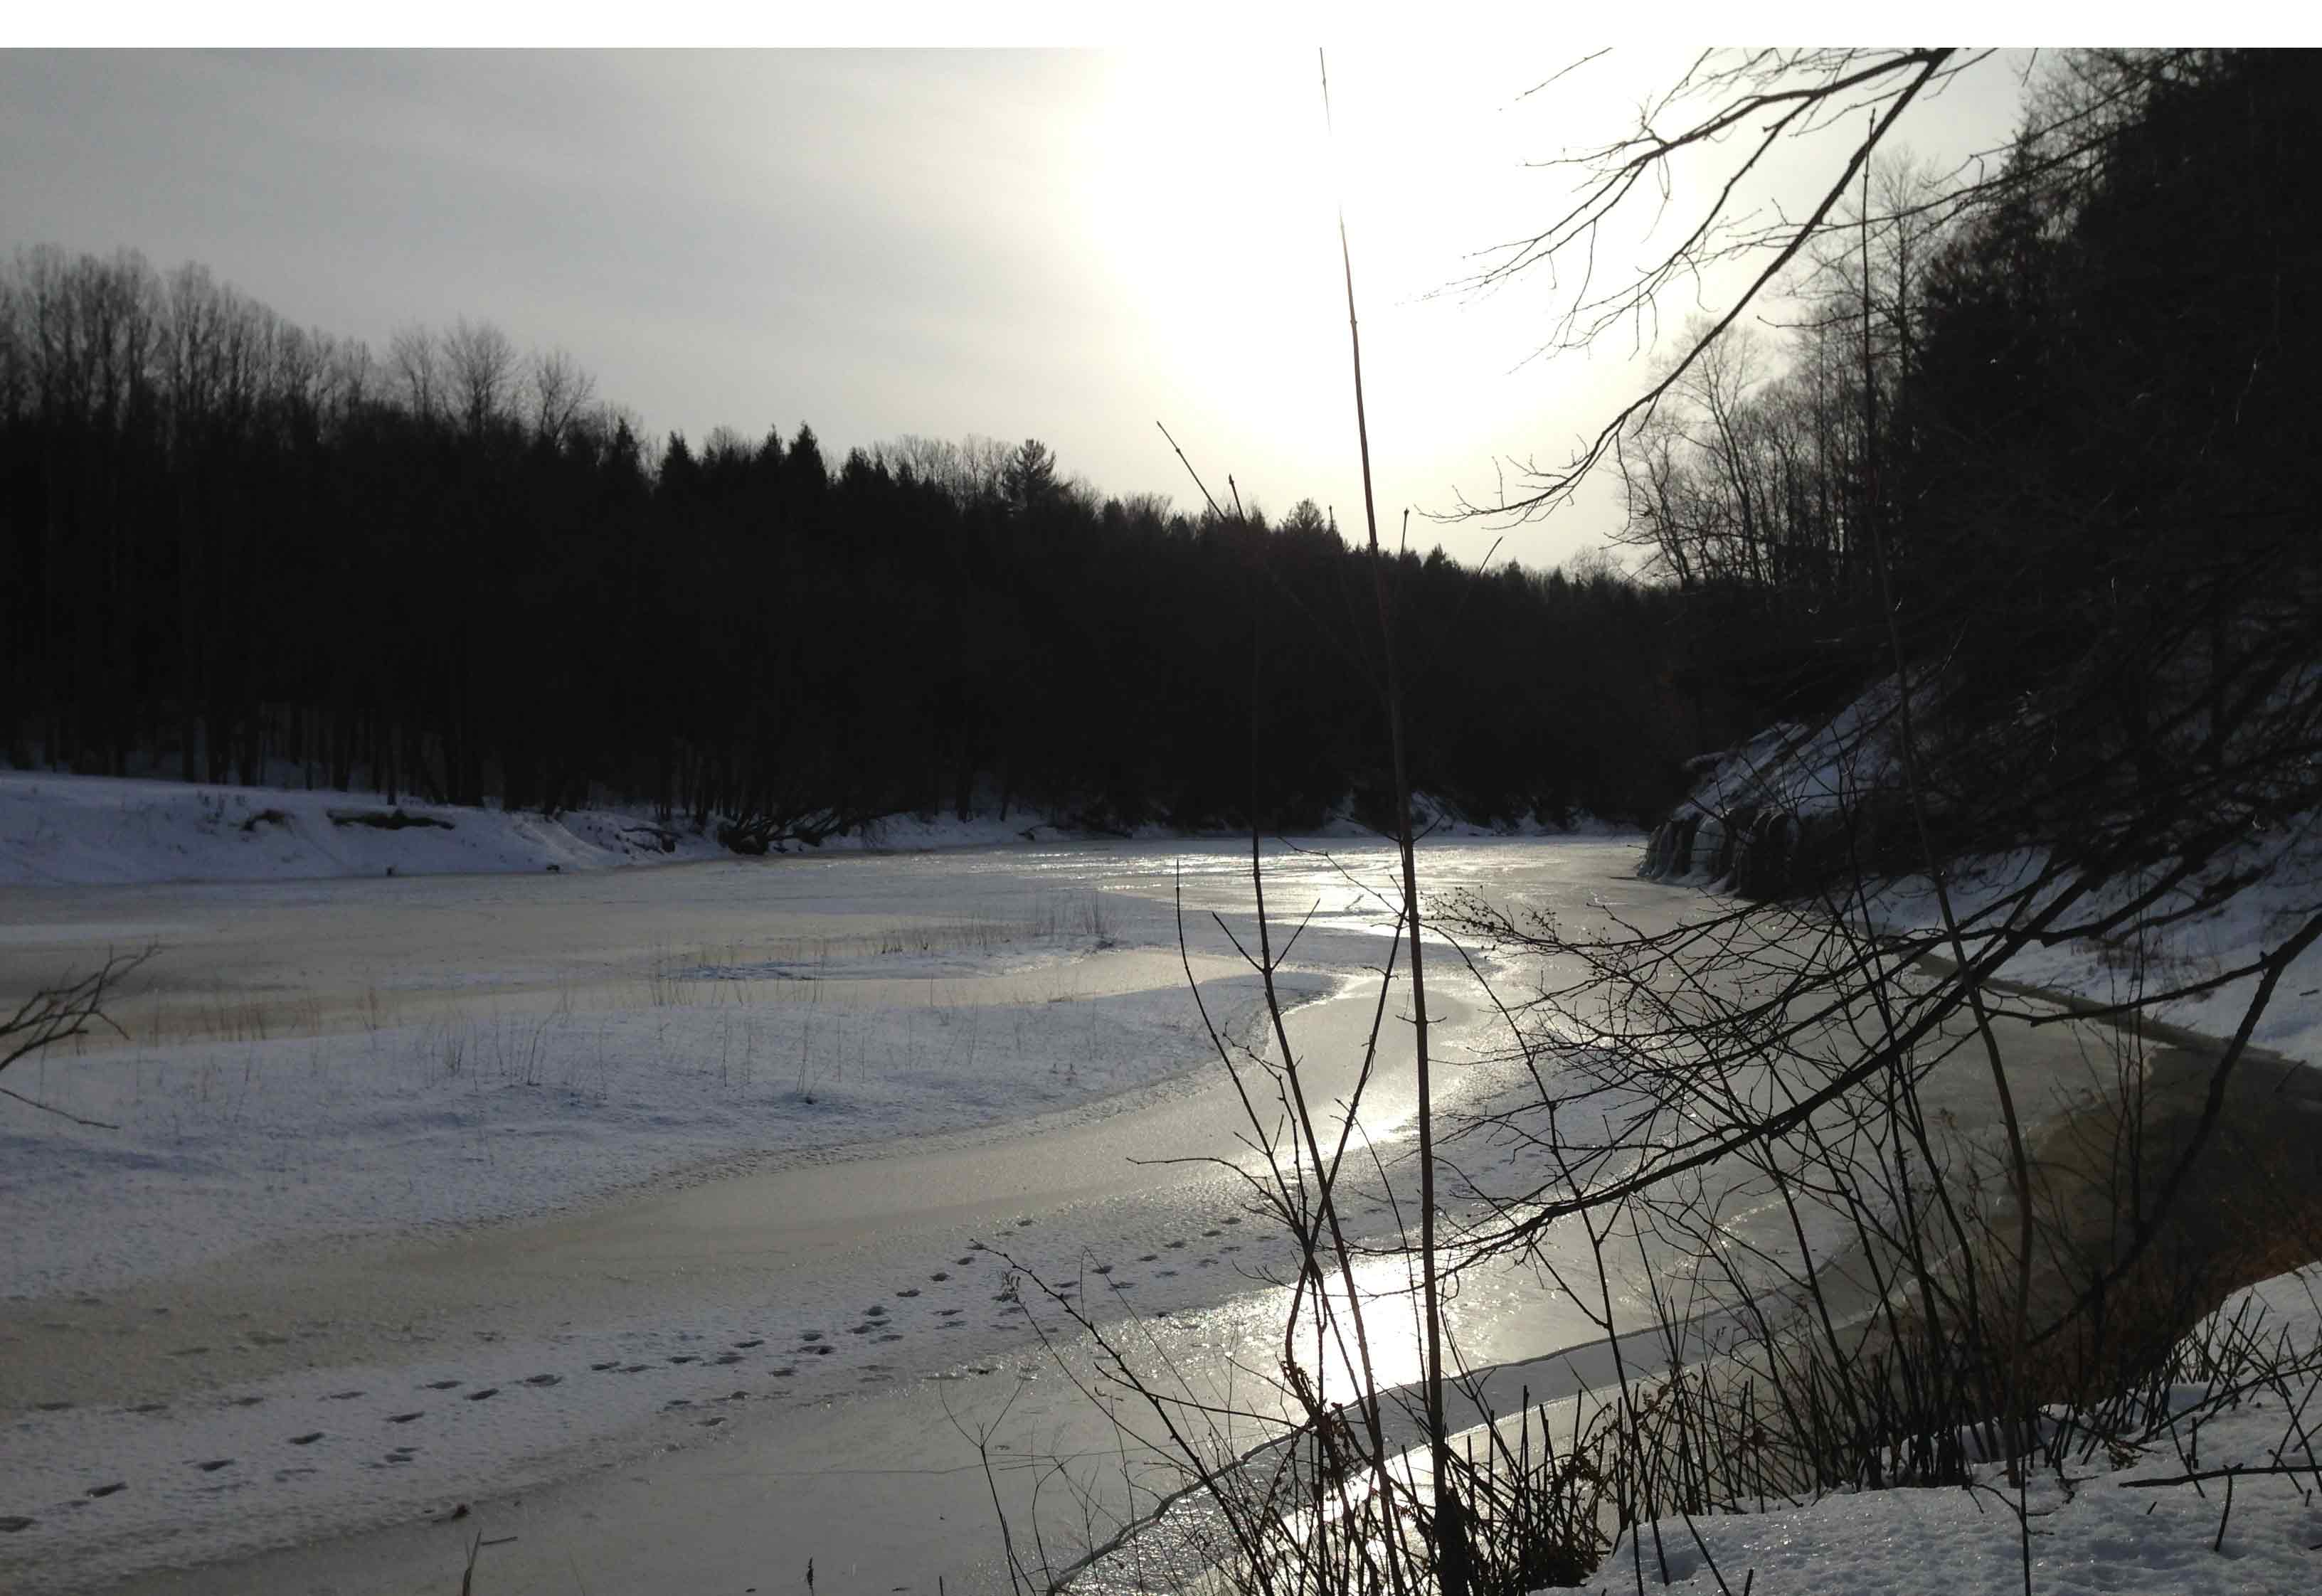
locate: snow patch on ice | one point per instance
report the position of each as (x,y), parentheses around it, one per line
(222,1146)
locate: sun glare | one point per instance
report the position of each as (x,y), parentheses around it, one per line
(1220,234)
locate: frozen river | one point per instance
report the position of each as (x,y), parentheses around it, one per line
(665,1218)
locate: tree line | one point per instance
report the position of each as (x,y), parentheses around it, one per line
(232,547)
(2052,430)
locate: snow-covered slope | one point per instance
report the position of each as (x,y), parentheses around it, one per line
(1757,810)
(2102,1524)
(84,830)
(1806,768)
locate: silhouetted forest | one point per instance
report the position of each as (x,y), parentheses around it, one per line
(2061,428)
(444,569)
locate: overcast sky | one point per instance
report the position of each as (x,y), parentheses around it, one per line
(1066,245)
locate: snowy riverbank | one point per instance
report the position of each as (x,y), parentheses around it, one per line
(90,831)
(100,831)
(2123,1520)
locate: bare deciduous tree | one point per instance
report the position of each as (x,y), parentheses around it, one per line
(1732,109)
(414,358)
(562,392)
(481,367)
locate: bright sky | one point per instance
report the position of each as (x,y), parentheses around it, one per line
(1066,245)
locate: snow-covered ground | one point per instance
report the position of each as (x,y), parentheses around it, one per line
(519,1075)
(85,830)
(2099,1526)
(1813,770)
(2284,889)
